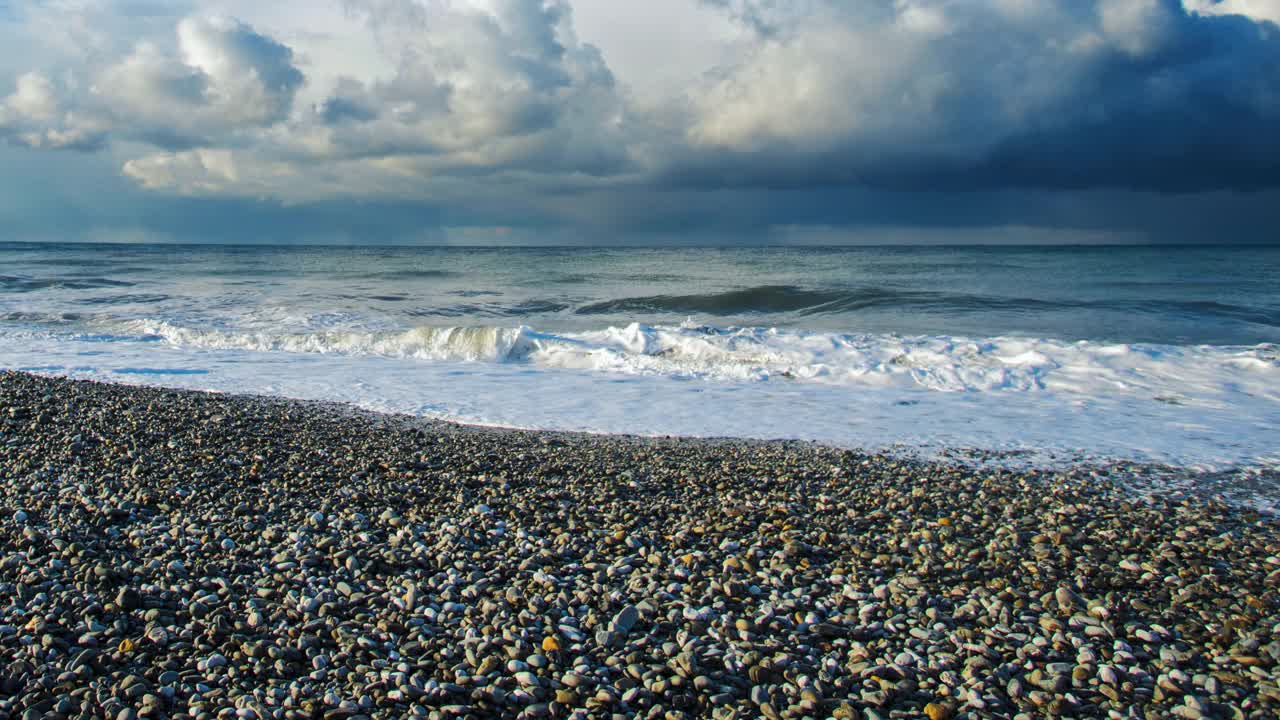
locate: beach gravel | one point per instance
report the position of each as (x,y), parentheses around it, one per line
(191,555)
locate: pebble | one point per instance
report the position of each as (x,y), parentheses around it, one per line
(128,599)
(624,620)
(292,560)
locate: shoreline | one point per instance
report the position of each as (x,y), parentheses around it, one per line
(171,553)
(1249,487)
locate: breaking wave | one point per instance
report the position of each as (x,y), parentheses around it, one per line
(1175,373)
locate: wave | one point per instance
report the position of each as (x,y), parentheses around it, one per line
(411,274)
(1258,316)
(778,299)
(936,363)
(94,261)
(428,343)
(520,309)
(21,283)
(125,299)
(763,299)
(41,318)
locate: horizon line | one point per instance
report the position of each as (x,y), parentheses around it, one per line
(627,246)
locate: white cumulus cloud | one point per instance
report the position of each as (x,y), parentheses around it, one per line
(1268,10)
(32,117)
(221,78)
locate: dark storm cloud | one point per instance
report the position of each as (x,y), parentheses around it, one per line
(1201,115)
(1192,106)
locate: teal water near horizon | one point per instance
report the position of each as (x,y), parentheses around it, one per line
(1157,353)
(1160,294)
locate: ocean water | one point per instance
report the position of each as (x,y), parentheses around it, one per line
(1154,354)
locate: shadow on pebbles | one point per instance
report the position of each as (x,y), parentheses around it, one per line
(187,555)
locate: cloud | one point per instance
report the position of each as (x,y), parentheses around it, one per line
(507,87)
(764,17)
(1268,10)
(896,94)
(95,30)
(502,90)
(223,78)
(32,117)
(786,113)
(33,98)
(208,81)
(933,94)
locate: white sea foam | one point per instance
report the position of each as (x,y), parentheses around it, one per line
(1204,406)
(1173,373)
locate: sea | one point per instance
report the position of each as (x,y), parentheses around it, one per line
(1045,355)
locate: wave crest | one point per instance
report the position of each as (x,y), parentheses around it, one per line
(938,363)
(494,344)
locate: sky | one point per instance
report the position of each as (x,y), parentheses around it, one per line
(619,122)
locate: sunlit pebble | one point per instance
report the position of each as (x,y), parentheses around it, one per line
(396,568)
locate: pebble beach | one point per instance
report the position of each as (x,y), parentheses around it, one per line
(175,554)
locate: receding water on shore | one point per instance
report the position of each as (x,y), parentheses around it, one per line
(1164,354)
